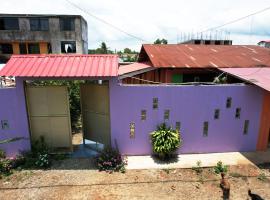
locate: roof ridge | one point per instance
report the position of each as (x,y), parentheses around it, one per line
(62,55)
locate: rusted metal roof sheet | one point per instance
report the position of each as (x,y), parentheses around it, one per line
(205,56)
(259,76)
(134,67)
(61,66)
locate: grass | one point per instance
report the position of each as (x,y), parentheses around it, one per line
(166,170)
(235,174)
(262,177)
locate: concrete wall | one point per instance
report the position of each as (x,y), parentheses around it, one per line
(53,36)
(191,105)
(13,109)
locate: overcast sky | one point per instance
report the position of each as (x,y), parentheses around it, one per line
(151,19)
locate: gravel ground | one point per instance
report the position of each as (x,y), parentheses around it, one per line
(78,179)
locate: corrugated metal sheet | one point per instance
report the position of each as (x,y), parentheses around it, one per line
(258,76)
(205,56)
(61,66)
(134,67)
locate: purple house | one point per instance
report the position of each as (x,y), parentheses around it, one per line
(219,104)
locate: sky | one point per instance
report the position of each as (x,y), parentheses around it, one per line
(152,19)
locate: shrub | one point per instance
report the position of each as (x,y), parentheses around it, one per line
(110,160)
(165,141)
(198,167)
(42,161)
(38,157)
(5,166)
(220,168)
(2,154)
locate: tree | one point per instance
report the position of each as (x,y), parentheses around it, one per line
(127,50)
(103,49)
(161,41)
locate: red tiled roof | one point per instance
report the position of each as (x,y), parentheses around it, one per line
(61,66)
(125,69)
(257,76)
(205,56)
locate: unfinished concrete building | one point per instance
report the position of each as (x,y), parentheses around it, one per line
(42,34)
(207,42)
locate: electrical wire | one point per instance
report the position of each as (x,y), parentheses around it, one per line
(235,20)
(106,22)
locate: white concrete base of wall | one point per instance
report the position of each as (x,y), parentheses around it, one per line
(207,160)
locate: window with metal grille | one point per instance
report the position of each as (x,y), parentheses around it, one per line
(155,103)
(33,48)
(9,23)
(216,114)
(205,129)
(229,102)
(166,114)
(39,24)
(143,115)
(237,113)
(67,24)
(23,48)
(246,126)
(6,48)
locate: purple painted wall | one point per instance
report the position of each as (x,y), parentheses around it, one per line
(13,109)
(191,105)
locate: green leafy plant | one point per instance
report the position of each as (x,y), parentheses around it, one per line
(38,157)
(220,168)
(42,161)
(111,160)
(198,167)
(2,154)
(5,166)
(165,141)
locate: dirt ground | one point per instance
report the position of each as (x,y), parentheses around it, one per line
(77,179)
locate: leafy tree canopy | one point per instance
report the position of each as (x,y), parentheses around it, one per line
(161,41)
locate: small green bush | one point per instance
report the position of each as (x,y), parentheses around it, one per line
(38,157)
(5,166)
(198,167)
(220,168)
(110,160)
(165,141)
(2,154)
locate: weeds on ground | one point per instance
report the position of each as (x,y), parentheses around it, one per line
(59,156)
(262,177)
(221,168)
(166,170)
(198,167)
(235,174)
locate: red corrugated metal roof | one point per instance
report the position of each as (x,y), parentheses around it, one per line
(134,67)
(61,66)
(258,76)
(205,56)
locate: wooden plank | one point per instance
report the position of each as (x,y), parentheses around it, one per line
(262,143)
